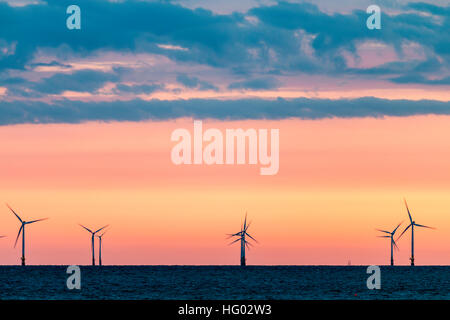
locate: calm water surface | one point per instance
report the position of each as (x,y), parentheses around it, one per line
(224,282)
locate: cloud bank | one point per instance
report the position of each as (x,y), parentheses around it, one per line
(260,49)
(68,111)
(280,38)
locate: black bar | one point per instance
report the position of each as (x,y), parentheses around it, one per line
(229,309)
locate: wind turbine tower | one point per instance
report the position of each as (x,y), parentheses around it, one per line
(393,244)
(22,230)
(412,225)
(100,247)
(241,236)
(92,239)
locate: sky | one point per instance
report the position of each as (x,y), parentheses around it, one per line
(86,118)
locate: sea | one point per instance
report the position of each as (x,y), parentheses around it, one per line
(225,283)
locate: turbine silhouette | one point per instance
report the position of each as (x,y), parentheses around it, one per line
(93,235)
(412,225)
(241,236)
(100,247)
(393,244)
(22,230)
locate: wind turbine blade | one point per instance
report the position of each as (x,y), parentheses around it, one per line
(248,226)
(420,225)
(251,237)
(28,222)
(14,212)
(233,235)
(393,232)
(245,222)
(234,241)
(403,232)
(383,236)
(18,235)
(247,244)
(104,233)
(2,236)
(101,228)
(383,231)
(409,214)
(395,245)
(86,228)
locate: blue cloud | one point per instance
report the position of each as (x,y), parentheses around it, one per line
(272,45)
(430,8)
(139,88)
(256,84)
(420,79)
(194,82)
(81,81)
(67,111)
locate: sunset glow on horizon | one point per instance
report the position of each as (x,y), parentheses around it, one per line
(96,97)
(339,179)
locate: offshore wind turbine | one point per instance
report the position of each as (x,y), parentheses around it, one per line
(393,244)
(242,238)
(100,247)
(93,236)
(412,225)
(22,230)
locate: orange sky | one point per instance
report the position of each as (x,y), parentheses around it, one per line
(338,180)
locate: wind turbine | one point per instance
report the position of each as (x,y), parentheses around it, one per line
(241,237)
(100,247)
(22,229)
(93,235)
(393,244)
(412,225)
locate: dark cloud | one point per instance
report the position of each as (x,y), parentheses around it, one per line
(188,82)
(345,30)
(128,26)
(269,45)
(422,80)
(427,7)
(18,87)
(67,111)
(139,88)
(194,82)
(6,81)
(80,81)
(412,67)
(256,84)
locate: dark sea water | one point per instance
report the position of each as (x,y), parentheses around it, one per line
(224,282)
